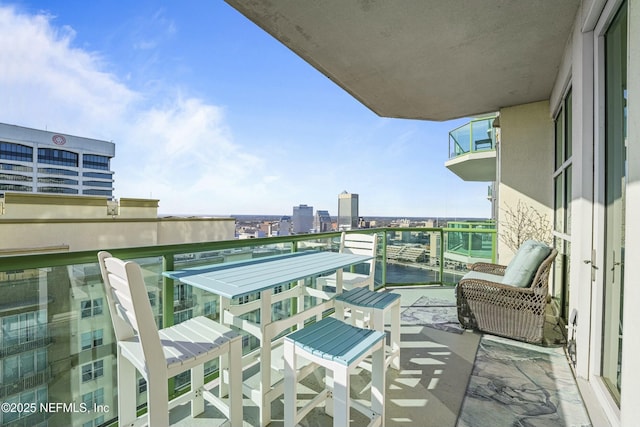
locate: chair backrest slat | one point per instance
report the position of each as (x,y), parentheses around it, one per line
(360,244)
(128,303)
(123,303)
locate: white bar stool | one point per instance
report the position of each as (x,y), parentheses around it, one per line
(338,347)
(371,307)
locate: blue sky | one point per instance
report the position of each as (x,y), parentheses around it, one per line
(211,115)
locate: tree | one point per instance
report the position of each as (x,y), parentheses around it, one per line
(522,223)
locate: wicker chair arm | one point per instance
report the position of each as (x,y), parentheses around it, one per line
(489,287)
(485,267)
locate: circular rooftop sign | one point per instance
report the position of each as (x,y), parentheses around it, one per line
(58,139)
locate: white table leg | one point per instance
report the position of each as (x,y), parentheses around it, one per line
(395,334)
(338,281)
(265,356)
(235,383)
(290,385)
(223,361)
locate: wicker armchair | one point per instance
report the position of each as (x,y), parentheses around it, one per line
(509,311)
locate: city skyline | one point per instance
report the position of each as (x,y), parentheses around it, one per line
(212,116)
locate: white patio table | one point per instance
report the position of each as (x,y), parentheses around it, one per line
(237,279)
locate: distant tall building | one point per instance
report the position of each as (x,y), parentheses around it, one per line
(302,219)
(37,161)
(284,226)
(322,221)
(347,211)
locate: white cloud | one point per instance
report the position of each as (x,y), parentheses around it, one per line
(189,155)
(179,150)
(46,82)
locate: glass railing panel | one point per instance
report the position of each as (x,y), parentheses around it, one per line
(477,135)
(56,339)
(412,257)
(56,346)
(465,244)
(470,244)
(459,141)
(482,135)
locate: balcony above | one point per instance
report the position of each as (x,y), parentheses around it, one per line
(472,150)
(474,166)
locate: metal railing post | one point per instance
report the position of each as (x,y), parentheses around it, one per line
(442,257)
(384,259)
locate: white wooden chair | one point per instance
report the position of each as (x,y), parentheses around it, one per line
(359,244)
(161,354)
(369,309)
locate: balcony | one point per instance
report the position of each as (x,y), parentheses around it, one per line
(436,364)
(472,150)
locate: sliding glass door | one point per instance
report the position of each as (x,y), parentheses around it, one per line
(615,176)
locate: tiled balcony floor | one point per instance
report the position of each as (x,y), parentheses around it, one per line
(512,383)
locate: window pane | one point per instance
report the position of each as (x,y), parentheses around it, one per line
(559,203)
(568,199)
(85,308)
(10,369)
(27,364)
(86,340)
(559,137)
(87,373)
(568,121)
(97,306)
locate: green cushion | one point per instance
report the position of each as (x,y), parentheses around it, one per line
(523,266)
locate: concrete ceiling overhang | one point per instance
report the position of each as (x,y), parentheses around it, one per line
(426,59)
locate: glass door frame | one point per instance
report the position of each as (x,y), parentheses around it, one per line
(610,405)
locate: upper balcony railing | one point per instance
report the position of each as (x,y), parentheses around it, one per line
(472,240)
(477,135)
(65,291)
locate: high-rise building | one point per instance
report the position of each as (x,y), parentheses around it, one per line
(302,219)
(37,161)
(322,221)
(347,211)
(284,226)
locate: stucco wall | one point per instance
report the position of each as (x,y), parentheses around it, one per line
(37,223)
(174,231)
(526,163)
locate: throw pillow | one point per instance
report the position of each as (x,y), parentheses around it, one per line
(523,266)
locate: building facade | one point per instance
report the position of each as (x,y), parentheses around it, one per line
(322,221)
(37,161)
(302,219)
(284,226)
(347,211)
